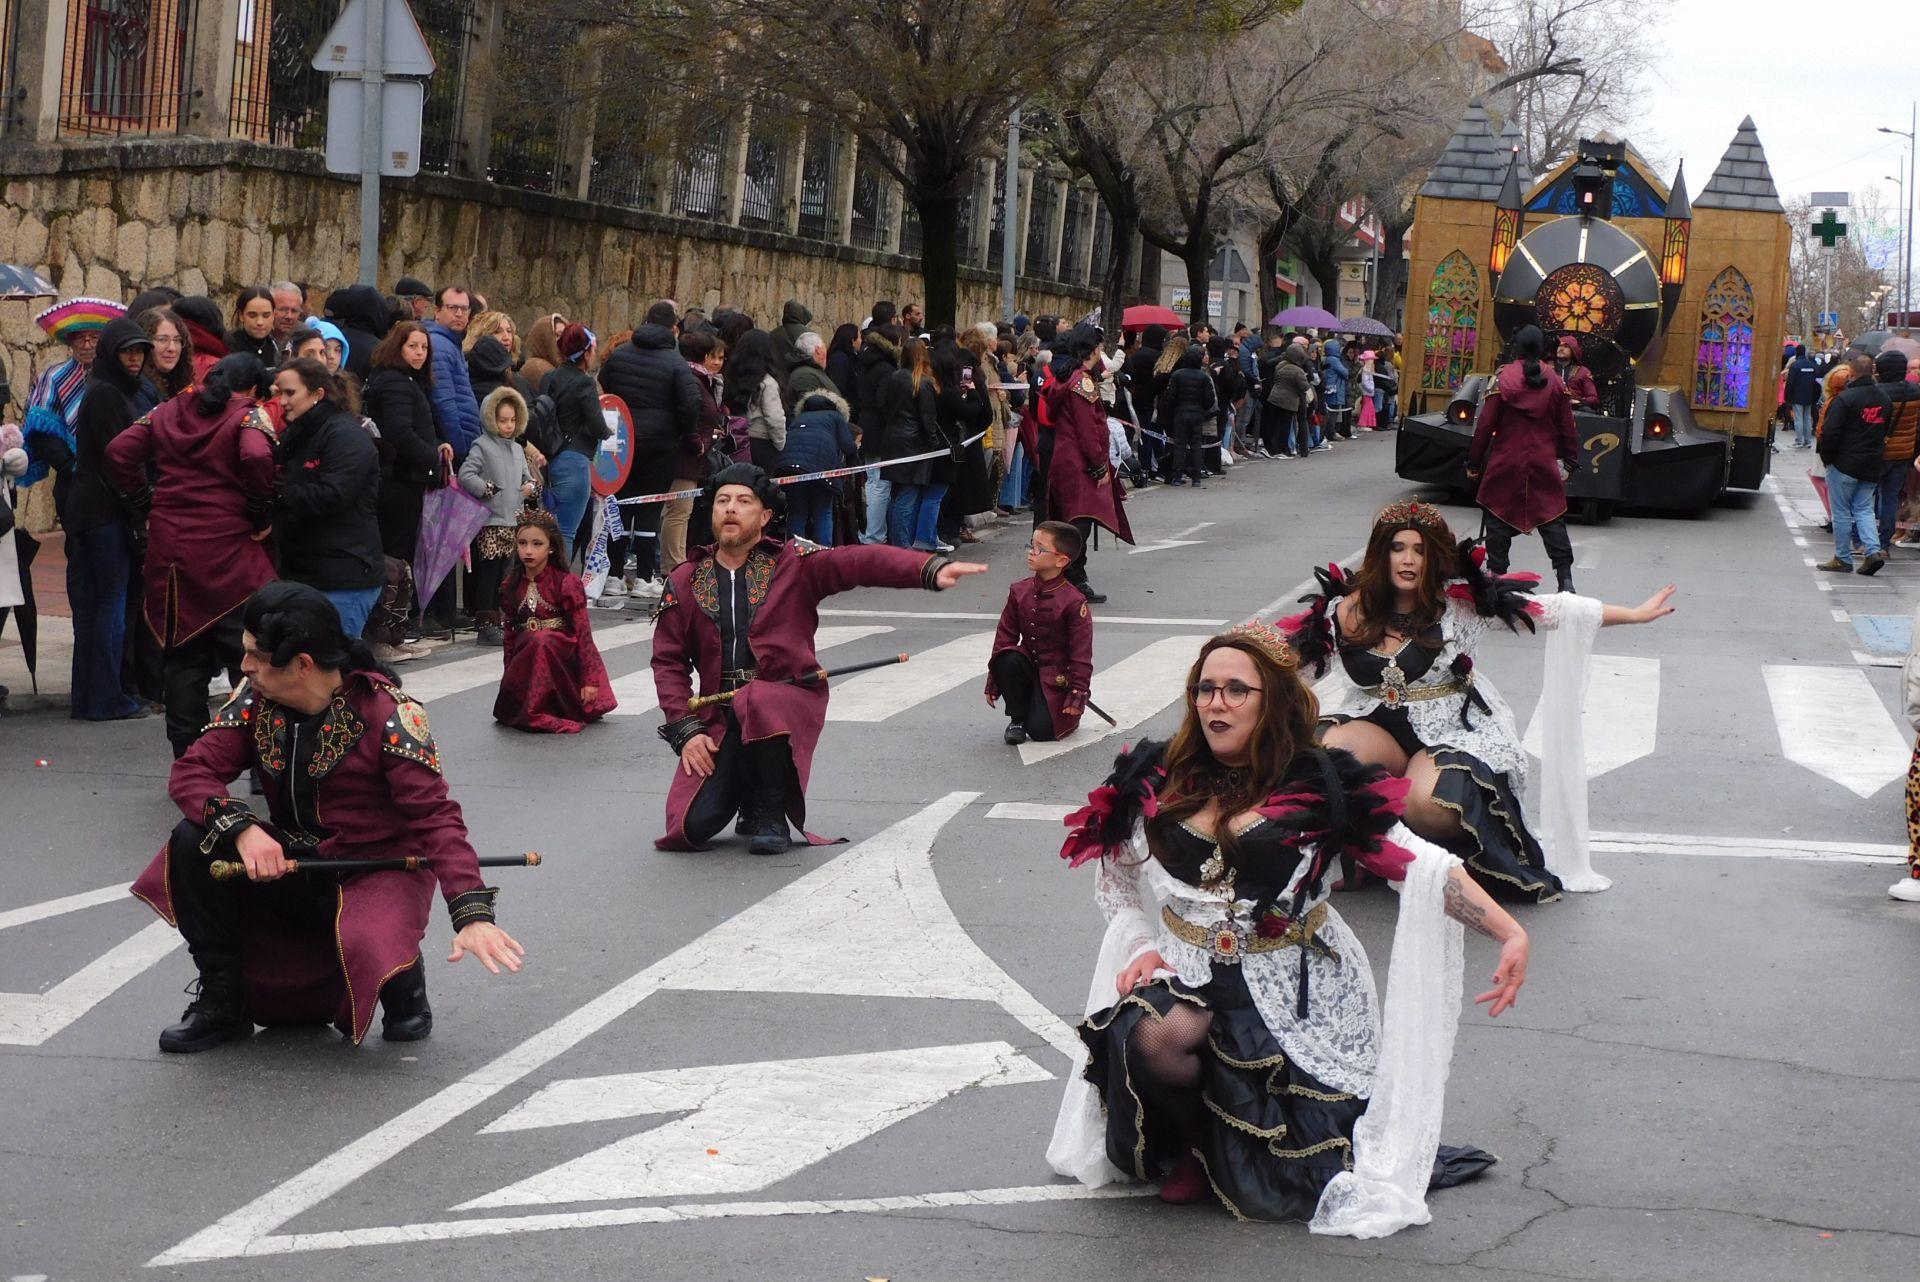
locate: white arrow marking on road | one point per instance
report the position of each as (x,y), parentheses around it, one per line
(636,693)
(822,1105)
(1831,721)
(870,923)
(877,695)
(28,1019)
(1178,539)
(1621,717)
(1132,690)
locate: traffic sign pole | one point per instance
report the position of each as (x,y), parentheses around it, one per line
(372,129)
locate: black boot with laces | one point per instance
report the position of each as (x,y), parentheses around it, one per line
(218,1014)
(404,1013)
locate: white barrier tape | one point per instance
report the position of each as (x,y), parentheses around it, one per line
(808,476)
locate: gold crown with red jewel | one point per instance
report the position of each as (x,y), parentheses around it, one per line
(1421,516)
(1269,640)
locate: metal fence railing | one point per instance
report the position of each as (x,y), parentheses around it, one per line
(819,183)
(525,147)
(277,96)
(1102,241)
(124,69)
(1041,251)
(769,167)
(871,213)
(448,26)
(996,236)
(622,176)
(913,237)
(1068,268)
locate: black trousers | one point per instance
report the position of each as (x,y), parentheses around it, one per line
(654,462)
(140,658)
(1043,465)
(185,670)
(1018,679)
(1276,428)
(1186,453)
(1076,570)
(210,912)
(1553,534)
(749,779)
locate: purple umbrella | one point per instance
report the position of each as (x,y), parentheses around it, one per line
(449,519)
(1366,326)
(1306,318)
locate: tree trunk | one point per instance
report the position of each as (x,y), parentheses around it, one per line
(1199,260)
(1326,278)
(1390,291)
(1116,272)
(940,256)
(1150,264)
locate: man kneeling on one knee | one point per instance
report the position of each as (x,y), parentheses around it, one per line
(350,772)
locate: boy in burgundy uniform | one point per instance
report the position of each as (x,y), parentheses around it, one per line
(1043,651)
(742,614)
(351,772)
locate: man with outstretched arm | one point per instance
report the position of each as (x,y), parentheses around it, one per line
(741,614)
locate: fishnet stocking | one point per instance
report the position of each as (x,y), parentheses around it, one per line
(1165,1052)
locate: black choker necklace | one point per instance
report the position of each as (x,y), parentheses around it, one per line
(1227,781)
(1405,624)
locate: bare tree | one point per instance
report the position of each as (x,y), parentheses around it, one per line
(926,84)
(1854,277)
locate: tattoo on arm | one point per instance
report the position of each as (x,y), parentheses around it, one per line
(1465,911)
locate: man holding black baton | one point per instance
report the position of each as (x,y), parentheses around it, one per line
(741,614)
(351,773)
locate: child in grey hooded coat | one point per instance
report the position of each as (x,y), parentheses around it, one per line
(496,471)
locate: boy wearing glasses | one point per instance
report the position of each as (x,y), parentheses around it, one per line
(1043,651)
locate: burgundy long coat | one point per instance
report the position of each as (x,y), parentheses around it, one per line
(785,584)
(215,476)
(1079,446)
(380,794)
(1051,624)
(1523,436)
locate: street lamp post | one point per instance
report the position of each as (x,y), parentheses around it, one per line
(1910,133)
(1899,228)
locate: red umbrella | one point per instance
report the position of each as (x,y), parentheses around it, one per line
(1150,314)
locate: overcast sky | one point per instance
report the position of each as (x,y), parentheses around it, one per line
(1816,79)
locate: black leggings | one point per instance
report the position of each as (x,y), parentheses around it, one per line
(185,670)
(1553,535)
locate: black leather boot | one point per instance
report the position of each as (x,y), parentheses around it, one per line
(767,831)
(217,1015)
(1566,579)
(404,1013)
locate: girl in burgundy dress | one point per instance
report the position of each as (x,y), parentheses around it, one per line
(554,681)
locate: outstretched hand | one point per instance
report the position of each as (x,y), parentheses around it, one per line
(1508,976)
(1655,606)
(954,571)
(493,946)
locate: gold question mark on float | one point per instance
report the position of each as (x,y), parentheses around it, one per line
(1601,445)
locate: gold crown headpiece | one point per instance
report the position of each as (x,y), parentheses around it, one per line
(1422,516)
(1271,641)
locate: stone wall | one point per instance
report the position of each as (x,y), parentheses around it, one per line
(109,219)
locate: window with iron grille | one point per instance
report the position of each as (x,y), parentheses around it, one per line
(124,68)
(1040,246)
(818,174)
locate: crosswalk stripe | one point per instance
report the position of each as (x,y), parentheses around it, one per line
(461,675)
(636,693)
(1098,618)
(877,695)
(1832,722)
(1132,690)
(1621,715)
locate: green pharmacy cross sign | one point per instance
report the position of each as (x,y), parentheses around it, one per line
(1829,230)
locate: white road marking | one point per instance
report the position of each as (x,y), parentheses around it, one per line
(462,675)
(1178,539)
(870,923)
(65,904)
(1145,620)
(1621,715)
(636,693)
(1832,722)
(723,1144)
(877,695)
(1589,549)
(1132,690)
(1613,843)
(29,1019)
(681,1213)
(1288,602)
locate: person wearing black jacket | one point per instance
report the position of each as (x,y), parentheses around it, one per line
(963,410)
(913,427)
(875,366)
(325,519)
(99,552)
(664,400)
(1139,372)
(1229,389)
(1853,437)
(398,398)
(362,315)
(576,404)
(490,367)
(1182,413)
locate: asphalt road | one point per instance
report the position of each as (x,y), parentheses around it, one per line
(843,1063)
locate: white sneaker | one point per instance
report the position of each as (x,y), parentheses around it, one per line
(1324,445)
(647,590)
(613,588)
(1906,889)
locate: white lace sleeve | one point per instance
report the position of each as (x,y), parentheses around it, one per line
(1079,1145)
(1574,621)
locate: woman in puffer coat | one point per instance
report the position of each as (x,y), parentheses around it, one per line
(819,438)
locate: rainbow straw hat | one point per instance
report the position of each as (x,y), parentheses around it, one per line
(77,316)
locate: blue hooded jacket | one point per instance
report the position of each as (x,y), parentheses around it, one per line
(454,408)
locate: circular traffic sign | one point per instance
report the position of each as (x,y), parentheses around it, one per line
(614,459)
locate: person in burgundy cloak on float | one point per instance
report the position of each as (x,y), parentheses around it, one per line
(1524,449)
(351,772)
(741,614)
(1082,489)
(554,681)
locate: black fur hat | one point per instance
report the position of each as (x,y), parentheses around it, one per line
(754,479)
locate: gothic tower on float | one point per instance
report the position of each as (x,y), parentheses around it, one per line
(1721,258)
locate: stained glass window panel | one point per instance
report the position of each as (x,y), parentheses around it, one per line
(1723,365)
(1453,324)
